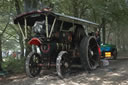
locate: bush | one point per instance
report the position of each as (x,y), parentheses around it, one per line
(13,65)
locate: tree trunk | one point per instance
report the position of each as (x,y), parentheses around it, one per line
(94,15)
(21,45)
(30,5)
(0,53)
(75,8)
(18,10)
(1,45)
(103,30)
(17,6)
(108,36)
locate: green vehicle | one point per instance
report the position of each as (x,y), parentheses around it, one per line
(109,51)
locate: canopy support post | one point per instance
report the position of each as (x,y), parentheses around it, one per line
(25,26)
(46,18)
(61,26)
(52,27)
(21,31)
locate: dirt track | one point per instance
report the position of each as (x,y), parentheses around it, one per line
(114,74)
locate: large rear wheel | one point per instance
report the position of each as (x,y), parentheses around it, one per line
(89,54)
(32,64)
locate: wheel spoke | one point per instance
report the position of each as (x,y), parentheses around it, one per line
(92,52)
(92,46)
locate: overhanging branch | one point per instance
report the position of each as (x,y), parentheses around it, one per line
(4,28)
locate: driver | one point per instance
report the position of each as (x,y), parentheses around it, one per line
(97,34)
(39,28)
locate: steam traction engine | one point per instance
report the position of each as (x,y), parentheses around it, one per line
(61,40)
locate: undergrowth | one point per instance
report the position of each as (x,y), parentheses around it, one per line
(13,65)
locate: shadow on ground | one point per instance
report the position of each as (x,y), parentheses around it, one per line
(114,74)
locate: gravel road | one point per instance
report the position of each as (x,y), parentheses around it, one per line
(114,74)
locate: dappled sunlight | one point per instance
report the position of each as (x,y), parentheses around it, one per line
(73,83)
(107,82)
(94,78)
(55,84)
(124,82)
(13,77)
(16,80)
(124,71)
(17,77)
(111,74)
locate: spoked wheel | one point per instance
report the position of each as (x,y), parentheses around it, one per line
(89,54)
(32,64)
(63,64)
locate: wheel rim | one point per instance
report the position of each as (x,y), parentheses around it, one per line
(92,54)
(62,64)
(34,67)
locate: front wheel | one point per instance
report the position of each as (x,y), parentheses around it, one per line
(63,64)
(32,64)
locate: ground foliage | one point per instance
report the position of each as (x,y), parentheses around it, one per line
(13,65)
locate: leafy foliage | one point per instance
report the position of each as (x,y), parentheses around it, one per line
(13,65)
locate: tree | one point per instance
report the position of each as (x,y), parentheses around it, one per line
(4,16)
(18,8)
(1,34)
